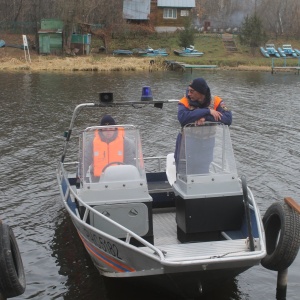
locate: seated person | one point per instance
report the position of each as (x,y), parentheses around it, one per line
(109,146)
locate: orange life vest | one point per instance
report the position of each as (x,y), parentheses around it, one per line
(105,153)
(214,103)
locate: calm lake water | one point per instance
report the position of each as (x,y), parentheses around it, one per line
(35,111)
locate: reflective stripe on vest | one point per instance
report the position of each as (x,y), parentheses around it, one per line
(215,102)
(105,153)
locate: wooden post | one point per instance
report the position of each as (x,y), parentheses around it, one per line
(292,203)
(281,284)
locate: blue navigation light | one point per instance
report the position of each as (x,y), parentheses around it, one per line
(146,94)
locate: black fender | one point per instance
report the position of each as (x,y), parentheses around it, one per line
(12,276)
(282,229)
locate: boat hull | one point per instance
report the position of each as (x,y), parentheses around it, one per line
(122,52)
(264,52)
(186,285)
(153,54)
(137,225)
(188,53)
(117,260)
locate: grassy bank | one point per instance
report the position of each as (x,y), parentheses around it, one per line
(212,45)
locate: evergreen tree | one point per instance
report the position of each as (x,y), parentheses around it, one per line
(186,36)
(252,33)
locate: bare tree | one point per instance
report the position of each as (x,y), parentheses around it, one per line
(223,13)
(280,16)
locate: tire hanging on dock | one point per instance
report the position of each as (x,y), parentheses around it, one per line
(282,229)
(12,276)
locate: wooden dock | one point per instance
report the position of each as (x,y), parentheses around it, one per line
(297,69)
(284,67)
(175,65)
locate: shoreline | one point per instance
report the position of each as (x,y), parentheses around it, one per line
(99,64)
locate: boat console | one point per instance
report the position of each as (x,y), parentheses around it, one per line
(111,162)
(209,197)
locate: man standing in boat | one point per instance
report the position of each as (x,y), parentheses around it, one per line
(198,107)
(108,147)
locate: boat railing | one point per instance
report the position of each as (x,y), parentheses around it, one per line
(69,196)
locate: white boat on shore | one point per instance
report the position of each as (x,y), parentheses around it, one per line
(181,229)
(188,52)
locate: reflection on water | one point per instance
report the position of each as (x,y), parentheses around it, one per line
(36,109)
(75,266)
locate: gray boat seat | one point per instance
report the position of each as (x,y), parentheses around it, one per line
(120,173)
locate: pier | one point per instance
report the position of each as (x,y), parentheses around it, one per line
(284,67)
(175,65)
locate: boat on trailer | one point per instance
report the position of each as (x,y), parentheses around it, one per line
(181,227)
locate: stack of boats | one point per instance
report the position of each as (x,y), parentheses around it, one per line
(142,52)
(285,51)
(150,52)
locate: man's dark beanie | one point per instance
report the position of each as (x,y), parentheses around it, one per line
(200,85)
(107,120)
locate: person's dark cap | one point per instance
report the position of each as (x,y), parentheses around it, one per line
(199,85)
(107,120)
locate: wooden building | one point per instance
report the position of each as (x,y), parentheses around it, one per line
(165,15)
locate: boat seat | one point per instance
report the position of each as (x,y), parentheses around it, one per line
(120,173)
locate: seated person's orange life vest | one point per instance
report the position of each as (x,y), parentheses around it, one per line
(107,152)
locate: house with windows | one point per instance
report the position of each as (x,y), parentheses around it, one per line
(165,15)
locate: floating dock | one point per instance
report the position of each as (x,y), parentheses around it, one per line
(174,65)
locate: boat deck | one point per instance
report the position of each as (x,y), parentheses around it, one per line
(164,227)
(159,187)
(165,238)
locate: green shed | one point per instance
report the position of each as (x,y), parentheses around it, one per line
(82,42)
(51,36)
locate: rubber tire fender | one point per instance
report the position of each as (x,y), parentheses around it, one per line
(12,276)
(282,230)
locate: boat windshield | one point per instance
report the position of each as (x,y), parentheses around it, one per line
(206,149)
(105,147)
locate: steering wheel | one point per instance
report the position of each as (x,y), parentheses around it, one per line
(113,163)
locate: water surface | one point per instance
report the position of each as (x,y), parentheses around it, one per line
(35,111)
